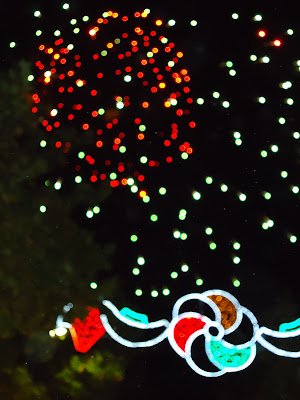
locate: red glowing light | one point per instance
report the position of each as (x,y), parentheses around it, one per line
(87,332)
(185,328)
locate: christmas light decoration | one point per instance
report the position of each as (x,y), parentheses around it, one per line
(184,328)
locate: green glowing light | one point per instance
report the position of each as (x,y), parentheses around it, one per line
(122,149)
(289,101)
(236,283)
(236,245)
(47,182)
(295,189)
(212,245)
(101,111)
(143,159)
(176,234)
(199,282)
(193,23)
(261,100)
(265,59)
(284,174)
(208,231)
(135,271)
(30,78)
(37,14)
(184,268)
(184,155)
(200,101)
(209,180)
(43,143)
(66,6)
(38,33)
(93,285)
(229,64)
(216,95)
(296,135)
(113,176)
(130,181)
(76,30)
(236,135)
(146,199)
(96,210)
(257,17)
(162,191)
(120,105)
(281,120)
(138,292)
(81,155)
(267,195)
(293,239)
(263,153)
(134,189)
(127,78)
(85,18)
(196,195)
(226,104)
(183,236)
(227,355)
(171,22)
(242,197)
(290,32)
(57,33)
(57,185)
(133,238)
(89,214)
(166,292)
(78,179)
(253,57)
(174,275)
(73,21)
(236,260)
(43,209)
(238,142)
(153,217)
(235,16)
(224,188)
(141,260)
(154,293)
(103,54)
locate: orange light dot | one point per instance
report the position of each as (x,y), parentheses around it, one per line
(117,141)
(137,14)
(110,45)
(167,104)
(178,80)
(183,72)
(143,193)
(261,33)
(94,113)
(158,22)
(85,127)
(144,62)
(124,181)
(141,136)
(99,143)
(145,104)
(179,54)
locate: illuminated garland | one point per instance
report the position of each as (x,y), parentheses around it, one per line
(184,328)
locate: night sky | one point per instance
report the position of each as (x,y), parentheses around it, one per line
(244,166)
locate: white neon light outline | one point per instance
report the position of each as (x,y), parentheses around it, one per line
(234,301)
(60,323)
(196,296)
(128,343)
(258,332)
(130,322)
(276,334)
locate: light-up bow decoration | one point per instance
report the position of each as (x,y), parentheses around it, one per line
(186,327)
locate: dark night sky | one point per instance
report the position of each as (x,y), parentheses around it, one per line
(270,266)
